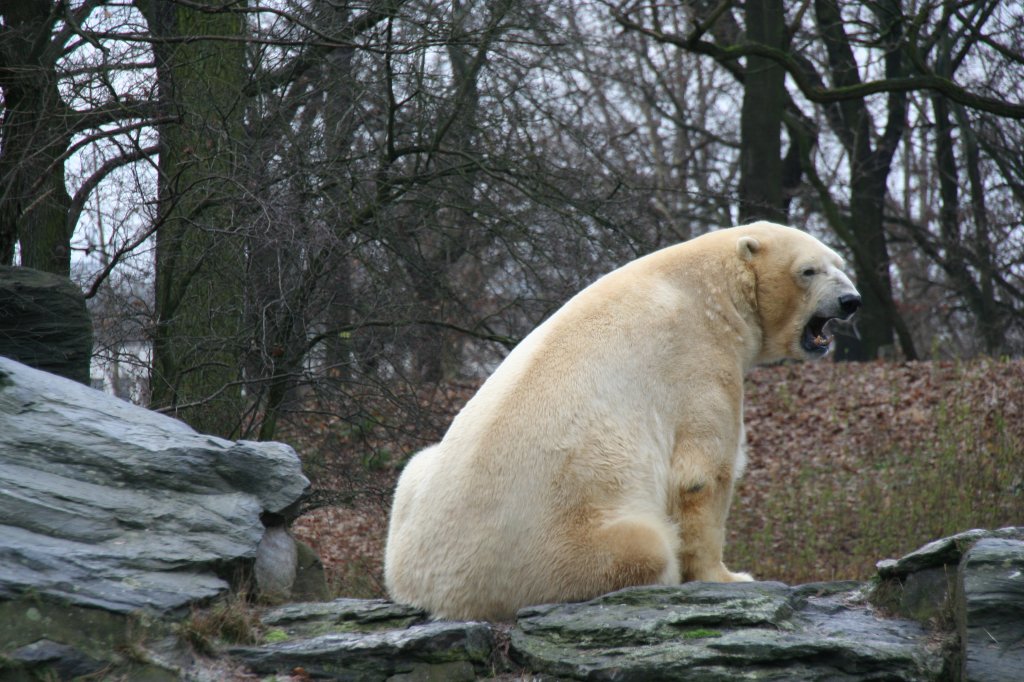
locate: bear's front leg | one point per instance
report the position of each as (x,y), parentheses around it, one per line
(701,506)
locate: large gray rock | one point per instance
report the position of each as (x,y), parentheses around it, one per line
(704,631)
(945,551)
(105,506)
(277,559)
(44,322)
(990,611)
(972,583)
(696,631)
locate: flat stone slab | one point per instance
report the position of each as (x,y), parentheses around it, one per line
(694,631)
(942,552)
(704,631)
(354,639)
(342,615)
(648,615)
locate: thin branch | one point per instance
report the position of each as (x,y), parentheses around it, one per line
(920,81)
(508,342)
(83,192)
(118,255)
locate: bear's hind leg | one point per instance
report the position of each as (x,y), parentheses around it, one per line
(638,549)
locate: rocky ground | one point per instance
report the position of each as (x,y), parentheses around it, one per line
(946,611)
(127,539)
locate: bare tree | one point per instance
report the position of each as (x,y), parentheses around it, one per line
(352,204)
(895,50)
(65,85)
(197,339)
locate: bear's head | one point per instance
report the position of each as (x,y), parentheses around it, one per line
(800,287)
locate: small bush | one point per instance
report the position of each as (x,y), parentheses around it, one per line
(232,620)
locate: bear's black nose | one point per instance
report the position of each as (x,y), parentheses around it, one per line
(849,303)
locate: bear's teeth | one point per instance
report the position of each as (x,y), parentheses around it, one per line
(821,340)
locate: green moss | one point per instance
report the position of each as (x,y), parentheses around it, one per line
(23,621)
(115,641)
(700,633)
(275,636)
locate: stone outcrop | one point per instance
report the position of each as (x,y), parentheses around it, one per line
(44,322)
(702,631)
(109,510)
(972,582)
(989,610)
(953,610)
(116,523)
(696,631)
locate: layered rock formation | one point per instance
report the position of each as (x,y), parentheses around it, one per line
(116,523)
(953,610)
(112,515)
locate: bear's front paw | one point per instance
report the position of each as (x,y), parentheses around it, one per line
(721,574)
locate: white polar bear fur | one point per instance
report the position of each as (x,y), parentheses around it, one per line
(603,451)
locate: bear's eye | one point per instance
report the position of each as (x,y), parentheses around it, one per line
(809,272)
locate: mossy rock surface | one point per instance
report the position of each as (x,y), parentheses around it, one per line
(705,631)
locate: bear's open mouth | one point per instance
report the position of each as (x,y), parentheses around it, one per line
(815,338)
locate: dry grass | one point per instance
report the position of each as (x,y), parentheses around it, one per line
(854,463)
(849,464)
(232,620)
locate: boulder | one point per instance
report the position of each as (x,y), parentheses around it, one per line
(277,558)
(973,584)
(990,611)
(108,509)
(357,639)
(44,322)
(923,584)
(310,578)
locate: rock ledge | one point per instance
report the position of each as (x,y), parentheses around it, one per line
(694,631)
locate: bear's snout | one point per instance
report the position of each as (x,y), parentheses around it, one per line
(849,304)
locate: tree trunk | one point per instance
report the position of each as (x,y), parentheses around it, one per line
(871,261)
(761,168)
(990,316)
(198,344)
(34,201)
(864,232)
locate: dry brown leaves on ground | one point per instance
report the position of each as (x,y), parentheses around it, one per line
(842,458)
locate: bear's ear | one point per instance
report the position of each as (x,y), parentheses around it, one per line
(746,247)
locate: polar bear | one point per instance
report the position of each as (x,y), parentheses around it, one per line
(603,451)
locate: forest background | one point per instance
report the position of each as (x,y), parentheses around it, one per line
(326,221)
